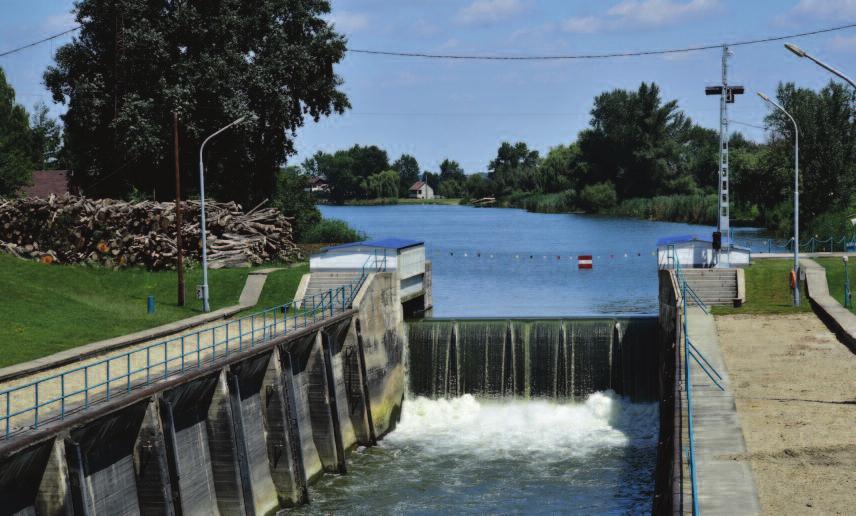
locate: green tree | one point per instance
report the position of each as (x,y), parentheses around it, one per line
(134,62)
(598,197)
(47,137)
(367,160)
(451,171)
(383,184)
(18,153)
(827,126)
(408,170)
(512,167)
(635,141)
(561,169)
(293,200)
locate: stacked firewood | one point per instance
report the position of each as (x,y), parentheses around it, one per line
(112,233)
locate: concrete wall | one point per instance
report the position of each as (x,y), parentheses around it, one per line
(244,435)
(669,473)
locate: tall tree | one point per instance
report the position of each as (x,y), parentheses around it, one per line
(47,137)
(827,126)
(635,140)
(451,171)
(512,167)
(17,150)
(408,170)
(136,61)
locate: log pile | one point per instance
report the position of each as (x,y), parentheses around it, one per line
(113,233)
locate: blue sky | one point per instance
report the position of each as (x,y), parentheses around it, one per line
(463,110)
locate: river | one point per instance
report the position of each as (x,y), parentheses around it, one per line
(468,455)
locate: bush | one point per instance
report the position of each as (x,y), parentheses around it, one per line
(598,197)
(331,231)
(291,198)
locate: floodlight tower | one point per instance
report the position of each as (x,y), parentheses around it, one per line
(726,96)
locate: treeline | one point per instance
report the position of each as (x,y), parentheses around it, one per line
(27,141)
(644,157)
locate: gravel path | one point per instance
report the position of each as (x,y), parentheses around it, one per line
(795,390)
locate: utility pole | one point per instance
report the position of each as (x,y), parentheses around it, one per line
(726,95)
(180,257)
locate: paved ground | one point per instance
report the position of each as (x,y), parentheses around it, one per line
(726,484)
(794,385)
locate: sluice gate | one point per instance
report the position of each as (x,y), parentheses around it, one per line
(566,359)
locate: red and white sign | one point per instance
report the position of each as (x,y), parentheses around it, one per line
(584,261)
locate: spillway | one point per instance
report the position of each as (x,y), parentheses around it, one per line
(558,359)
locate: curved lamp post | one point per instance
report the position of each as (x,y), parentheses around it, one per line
(796,195)
(802,53)
(205,305)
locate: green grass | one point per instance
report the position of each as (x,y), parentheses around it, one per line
(49,308)
(835,277)
(767,290)
(280,287)
(451,201)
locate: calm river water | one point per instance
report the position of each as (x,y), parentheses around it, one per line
(473,456)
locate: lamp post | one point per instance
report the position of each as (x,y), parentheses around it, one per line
(802,53)
(204,292)
(796,270)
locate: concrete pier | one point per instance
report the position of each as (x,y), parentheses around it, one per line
(725,485)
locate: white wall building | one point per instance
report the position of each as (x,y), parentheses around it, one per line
(696,251)
(421,190)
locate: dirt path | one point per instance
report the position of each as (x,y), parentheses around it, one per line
(795,389)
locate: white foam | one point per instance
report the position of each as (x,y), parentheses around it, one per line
(508,428)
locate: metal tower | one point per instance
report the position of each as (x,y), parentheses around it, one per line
(726,96)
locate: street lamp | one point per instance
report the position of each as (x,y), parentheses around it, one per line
(796,270)
(802,53)
(204,292)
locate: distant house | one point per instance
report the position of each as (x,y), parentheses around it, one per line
(47,182)
(317,184)
(421,190)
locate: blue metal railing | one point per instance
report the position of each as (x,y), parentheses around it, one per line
(31,405)
(812,245)
(691,352)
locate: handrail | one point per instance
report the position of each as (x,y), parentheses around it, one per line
(690,351)
(31,405)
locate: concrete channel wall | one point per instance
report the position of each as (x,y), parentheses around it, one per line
(245,435)
(670,471)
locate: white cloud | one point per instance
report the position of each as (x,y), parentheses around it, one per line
(824,9)
(843,43)
(61,21)
(348,21)
(642,14)
(489,11)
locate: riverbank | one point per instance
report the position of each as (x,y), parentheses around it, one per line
(51,308)
(793,383)
(389,201)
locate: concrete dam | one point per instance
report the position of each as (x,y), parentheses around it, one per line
(563,359)
(248,433)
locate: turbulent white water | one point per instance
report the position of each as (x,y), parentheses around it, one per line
(468,455)
(540,430)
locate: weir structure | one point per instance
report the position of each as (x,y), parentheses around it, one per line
(566,359)
(242,434)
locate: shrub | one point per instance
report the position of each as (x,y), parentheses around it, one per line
(331,231)
(598,197)
(695,209)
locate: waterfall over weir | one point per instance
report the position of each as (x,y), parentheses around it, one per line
(549,358)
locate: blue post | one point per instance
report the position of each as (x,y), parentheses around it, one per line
(847,302)
(150,304)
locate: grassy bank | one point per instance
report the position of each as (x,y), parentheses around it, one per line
(387,201)
(767,290)
(694,209)
(50,308)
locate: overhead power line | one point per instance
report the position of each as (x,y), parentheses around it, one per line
(638,53)
(39,42)
(476,57)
